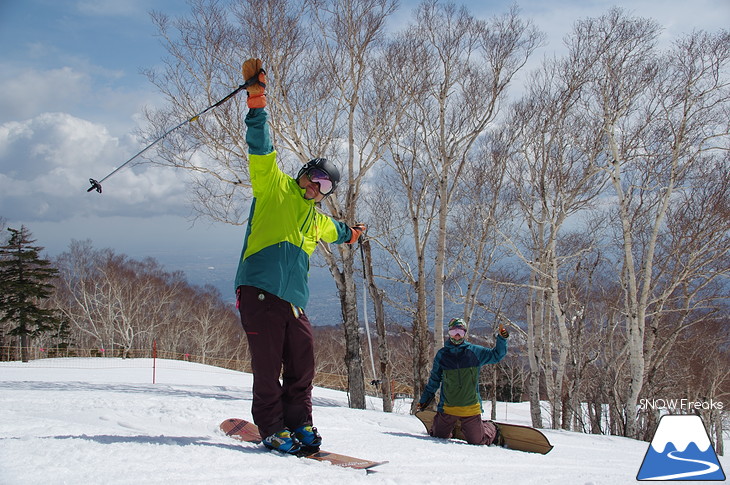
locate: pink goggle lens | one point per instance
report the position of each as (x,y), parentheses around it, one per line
(457,333)
(322,178)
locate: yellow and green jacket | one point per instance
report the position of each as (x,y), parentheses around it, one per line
(456,370)
(283,227)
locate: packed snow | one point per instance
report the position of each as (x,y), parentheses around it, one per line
(83,421)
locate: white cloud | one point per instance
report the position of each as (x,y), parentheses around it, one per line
(52,141)
(45,164)
(84,90)
(26,92)
(557,17)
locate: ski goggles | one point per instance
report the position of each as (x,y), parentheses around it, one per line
(321,178)
(457,333)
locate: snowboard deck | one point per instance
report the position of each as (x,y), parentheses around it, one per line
(516,437)
(243,430)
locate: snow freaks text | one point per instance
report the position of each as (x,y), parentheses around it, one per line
(687,405)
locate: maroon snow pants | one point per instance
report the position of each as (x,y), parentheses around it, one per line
(278,338)
(476,431)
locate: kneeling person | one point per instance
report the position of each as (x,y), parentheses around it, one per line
(456,371)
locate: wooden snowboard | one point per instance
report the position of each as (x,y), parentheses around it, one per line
(516,437)
(243,430)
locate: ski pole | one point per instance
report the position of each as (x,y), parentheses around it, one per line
(96,184)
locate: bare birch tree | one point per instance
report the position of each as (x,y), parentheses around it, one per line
(202,67)
(556,173)
(475,62)
(453,71)
(123,305)
(663,116)
(481,205)
(353,33)
(82,294)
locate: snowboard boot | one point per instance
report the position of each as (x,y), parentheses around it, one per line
(283,442)
(498,438)
(308,437)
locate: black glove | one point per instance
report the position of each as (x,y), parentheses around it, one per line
(503,332)
(423,405)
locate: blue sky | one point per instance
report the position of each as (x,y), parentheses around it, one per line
(71,98)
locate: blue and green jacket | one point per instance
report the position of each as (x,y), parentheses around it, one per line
(456,370)
(283,227)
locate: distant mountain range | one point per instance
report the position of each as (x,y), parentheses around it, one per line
(219,271)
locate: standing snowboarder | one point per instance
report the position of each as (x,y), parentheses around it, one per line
(456,371)
(283,229)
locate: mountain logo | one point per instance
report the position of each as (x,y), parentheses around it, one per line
(681,450)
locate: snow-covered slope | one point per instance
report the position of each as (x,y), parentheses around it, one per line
(102,421)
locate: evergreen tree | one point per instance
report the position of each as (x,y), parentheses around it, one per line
(61,338)
(24,284)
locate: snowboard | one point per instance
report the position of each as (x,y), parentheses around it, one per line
(243,430)
(516,437)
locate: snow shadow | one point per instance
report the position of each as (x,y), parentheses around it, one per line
(224,393)
(326,403)
(156,440)
(425,437)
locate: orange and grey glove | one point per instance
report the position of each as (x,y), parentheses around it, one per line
(357,231)
(255,83)
(503,332)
